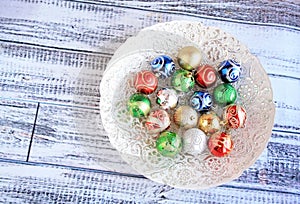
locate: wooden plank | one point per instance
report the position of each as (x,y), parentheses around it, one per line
(16,123)
(287,103)
(43,74)
(266,11)
(78,139)
(55,184)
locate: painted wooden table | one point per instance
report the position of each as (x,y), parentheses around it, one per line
(52,57)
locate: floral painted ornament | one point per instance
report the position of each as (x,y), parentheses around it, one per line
(157,121)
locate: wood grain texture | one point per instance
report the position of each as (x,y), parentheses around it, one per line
(44,74)
(55,52)
(265,11)
(16,124)
(55,184)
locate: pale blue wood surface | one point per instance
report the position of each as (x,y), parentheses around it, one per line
(52,56)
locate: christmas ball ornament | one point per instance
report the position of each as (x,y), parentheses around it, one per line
(209,123)
(169,144)
(220,144)
(194,141)
(189,58)
(206,76)
(163,66)
(225,94)
(201,101)
(167,98)
(183,80)
(157,121)
(145,82)
(139,105)
(235,116)
(229,71)
(185,117)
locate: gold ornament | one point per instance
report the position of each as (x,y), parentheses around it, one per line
(209,123)
(189,58)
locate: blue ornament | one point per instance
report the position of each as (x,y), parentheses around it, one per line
(229,71)
(163,66)
(201,101)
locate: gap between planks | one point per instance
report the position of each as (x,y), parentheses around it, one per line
(33,129)
(50,103)
(57,48)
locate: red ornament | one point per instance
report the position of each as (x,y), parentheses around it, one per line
(220,144)
(206,76)
(235,116)
(145,82)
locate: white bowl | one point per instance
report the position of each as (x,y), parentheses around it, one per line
(128,134)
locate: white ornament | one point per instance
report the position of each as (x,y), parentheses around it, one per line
(194,141)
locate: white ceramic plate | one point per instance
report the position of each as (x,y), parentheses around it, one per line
(137,148)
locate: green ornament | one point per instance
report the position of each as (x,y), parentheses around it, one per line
(139,105)
(183,80)
(225,94)
(169,144)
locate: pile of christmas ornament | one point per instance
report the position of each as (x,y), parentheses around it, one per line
(203,128)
